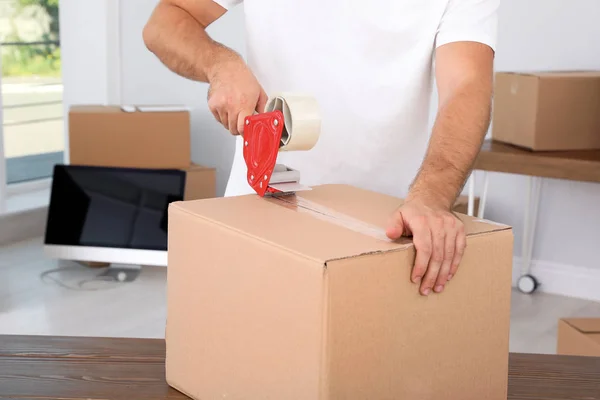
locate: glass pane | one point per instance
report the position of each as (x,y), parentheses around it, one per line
(31,88)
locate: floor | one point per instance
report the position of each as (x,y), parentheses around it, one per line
(71,302)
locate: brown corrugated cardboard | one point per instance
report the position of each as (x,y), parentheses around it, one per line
(200,182)
(109,136)
(547,110)
(579,337)
(299,298)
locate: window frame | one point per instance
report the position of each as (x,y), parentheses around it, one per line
(3,184)
(112,37)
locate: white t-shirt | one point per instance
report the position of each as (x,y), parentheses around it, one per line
(368,63)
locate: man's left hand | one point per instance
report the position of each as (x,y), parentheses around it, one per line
(439,239)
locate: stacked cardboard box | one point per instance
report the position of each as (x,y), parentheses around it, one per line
(579,337)
(546,111)
(147,137)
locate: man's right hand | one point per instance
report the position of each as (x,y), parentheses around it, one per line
(234,94)
(176,33)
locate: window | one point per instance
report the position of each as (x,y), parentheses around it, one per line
(32,113)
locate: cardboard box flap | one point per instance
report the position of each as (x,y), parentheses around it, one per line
(328,223)
(299,230)
(585,325)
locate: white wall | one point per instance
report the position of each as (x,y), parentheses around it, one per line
(533,34)
(87,46)
(83,35)
(145,80)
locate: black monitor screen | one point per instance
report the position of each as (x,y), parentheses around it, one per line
(111,207)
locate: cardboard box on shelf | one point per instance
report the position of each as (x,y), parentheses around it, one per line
(200,182)
(579,337)
(303,297)
(547,110)
(158,137)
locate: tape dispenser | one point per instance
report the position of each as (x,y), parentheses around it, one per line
(290,123)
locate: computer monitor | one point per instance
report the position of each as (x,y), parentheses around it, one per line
(112,215)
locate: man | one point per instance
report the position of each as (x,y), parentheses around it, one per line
(369,65)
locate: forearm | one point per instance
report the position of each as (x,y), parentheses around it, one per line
(182,44)
(458,132)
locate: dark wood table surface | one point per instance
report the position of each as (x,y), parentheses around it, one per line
(46,367)
(571,165)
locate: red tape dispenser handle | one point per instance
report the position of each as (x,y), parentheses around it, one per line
(262,139)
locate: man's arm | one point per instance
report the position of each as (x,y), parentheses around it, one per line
(464,72)
(176,34)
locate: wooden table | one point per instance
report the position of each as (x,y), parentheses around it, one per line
(44,367)
(583,166)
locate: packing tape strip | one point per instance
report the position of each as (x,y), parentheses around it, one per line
(302,120)
(300,204)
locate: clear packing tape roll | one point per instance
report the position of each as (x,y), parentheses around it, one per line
(302,120)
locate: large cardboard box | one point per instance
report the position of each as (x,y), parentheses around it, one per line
(109,136)
(302,297)
(200,183)
(547,110)
(579,337)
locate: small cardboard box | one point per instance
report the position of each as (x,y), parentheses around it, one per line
(579,337)
(547,110)
(302,297)
(200,183)
(109,136)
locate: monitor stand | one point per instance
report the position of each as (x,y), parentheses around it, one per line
(118,272)
(122,272)
(94,264)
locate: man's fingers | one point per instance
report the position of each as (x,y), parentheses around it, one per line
(449,251)
(461,244)
(223,118)
(241,122)
(424,247)
(233,123)
(262,102)
(438,236)
(215,114)
(215,107)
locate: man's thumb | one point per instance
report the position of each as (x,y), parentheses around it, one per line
(395,227)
